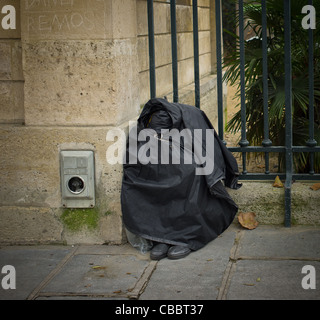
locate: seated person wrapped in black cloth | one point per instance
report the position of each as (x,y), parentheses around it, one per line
(168,200)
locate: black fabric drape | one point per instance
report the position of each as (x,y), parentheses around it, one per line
(169,203)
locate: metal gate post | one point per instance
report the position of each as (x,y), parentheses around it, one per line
(152,60)
(288,110)
(196,52)
(219,68)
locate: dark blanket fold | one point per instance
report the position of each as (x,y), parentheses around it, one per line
(170,203)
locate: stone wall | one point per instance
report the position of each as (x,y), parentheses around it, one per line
(267,202)
(74,70)
(11,75)
(80,67)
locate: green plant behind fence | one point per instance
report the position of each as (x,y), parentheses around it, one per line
(276,78)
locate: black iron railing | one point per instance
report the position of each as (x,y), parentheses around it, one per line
(244,148)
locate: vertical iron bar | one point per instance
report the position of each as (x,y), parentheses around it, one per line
(311,142)
(288,110)
(174,51)
(244,142)
(152,62)
(196,52)
(266,142)
(219,69)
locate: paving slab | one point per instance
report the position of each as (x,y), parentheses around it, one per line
(98,275)
(196,277)
(32,265)
(265,263)
(296,242)
(268,263)
(271,280)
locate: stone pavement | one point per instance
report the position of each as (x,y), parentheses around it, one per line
(265,263)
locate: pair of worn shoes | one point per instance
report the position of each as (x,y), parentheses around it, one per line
(162,250)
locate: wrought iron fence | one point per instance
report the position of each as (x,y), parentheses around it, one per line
(244,148)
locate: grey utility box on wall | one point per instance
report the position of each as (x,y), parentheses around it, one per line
(77,179)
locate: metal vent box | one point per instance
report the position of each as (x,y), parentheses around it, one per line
(77,179)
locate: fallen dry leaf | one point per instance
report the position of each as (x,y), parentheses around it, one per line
(315,187)
(278,183)
(248,220)
(98,268)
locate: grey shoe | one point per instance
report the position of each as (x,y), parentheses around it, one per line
(178,252)
(159,251)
